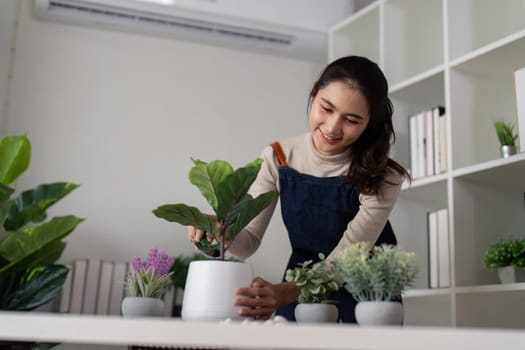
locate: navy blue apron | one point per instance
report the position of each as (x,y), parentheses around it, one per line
(316,212)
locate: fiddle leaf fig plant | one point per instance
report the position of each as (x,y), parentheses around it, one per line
(226,191)
(29,245)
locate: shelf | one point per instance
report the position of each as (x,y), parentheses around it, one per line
(413,38)
(462,55)
(503,172)
(476,24)
(418,293)
(492,288)
(359,34)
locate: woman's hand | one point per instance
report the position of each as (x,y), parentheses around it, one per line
(195,235)
(259,300)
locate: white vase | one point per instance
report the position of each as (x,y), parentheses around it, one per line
(210,289)
(140,306)
(369,313)
(323,313)
(511,274)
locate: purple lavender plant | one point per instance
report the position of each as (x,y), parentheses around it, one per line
(150,278)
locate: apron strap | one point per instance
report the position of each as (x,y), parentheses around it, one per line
(278,152)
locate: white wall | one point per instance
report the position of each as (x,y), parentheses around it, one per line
(121,114)
(7,15)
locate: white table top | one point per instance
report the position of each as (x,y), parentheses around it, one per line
(113,330)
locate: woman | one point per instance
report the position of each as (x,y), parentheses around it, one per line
(336,184)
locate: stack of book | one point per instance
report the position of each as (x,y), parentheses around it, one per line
(428,142)
(438,249)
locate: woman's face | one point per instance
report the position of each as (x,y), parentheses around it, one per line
(338,116)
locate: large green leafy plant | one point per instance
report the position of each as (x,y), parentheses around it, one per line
(29,245)
(226,190)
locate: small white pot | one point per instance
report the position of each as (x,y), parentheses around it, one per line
(210,289)
(511,274)
(369,313)
(325,313)
(140,306)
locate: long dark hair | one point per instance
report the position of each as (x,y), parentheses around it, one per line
(370,161)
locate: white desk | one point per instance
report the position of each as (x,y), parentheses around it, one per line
(86,329)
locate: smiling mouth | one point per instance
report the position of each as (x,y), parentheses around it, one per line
(327,138)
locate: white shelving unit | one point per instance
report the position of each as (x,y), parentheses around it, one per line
(460,54)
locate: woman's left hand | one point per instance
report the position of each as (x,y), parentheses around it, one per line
(258,301)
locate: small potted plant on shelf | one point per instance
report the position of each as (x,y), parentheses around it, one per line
(507,137)
(507,256)
(146,283)
(211,284)
(317,281)
(376,278)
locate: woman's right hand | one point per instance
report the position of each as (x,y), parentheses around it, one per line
(195,235)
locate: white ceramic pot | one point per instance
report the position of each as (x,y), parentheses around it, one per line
(511,274)
(210,289)
(307,313)
(140,306)
(379,313)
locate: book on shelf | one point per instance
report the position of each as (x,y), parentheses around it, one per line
(428,142)
(519,83)
(117,287)
(78,285)
(438,249)
(444,248)
(104,288)
(91,289)
(433,259)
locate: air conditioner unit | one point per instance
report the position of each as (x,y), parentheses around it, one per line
(188,24)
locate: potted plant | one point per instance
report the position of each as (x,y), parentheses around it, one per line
(376,278)
(507,137)
(179,270)
(146,283)
(507,256)
(226,191)
(317,281)
(29,245)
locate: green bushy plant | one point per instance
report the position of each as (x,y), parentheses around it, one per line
(505,132)
(505,252)
(376,274)
(316,280)
(29,245)
(226,191)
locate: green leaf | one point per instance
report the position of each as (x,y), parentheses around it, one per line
(31,241)
(5,205)
(249,210)
(31,205)
(15,154)
(5,192)
(207,176)
(234,188)
(42,286)
(186,215)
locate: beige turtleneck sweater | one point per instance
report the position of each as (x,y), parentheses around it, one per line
(302,156)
